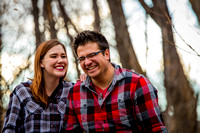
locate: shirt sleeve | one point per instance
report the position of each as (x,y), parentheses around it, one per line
(70,119)
(12,118)
(147,108)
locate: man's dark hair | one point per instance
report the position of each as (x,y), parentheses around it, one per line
(90,36)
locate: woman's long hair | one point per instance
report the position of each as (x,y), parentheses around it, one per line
(37,86)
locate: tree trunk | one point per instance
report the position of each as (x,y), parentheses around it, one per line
(1,93)
(96,24)
(35,13)
(196,7)
(50,21)
(127,54)
(184,104)
(180,96)
(68,20)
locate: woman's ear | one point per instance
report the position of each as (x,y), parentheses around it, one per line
(41,64)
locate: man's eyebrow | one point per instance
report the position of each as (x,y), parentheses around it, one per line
(82,57)
(93,53)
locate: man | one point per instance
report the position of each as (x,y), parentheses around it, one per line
(111,98)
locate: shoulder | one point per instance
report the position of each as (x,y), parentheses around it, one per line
(137,78)
(22,88)
(141,84)
(79,83)
(67,84)
(126,73)
(22,91)
(131,76)
(77,88)
(66,87)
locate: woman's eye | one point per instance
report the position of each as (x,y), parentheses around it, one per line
(64,56)
(53,56)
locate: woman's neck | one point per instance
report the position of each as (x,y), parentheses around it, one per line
(50,85)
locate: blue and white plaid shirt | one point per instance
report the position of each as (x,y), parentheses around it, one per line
(25,115)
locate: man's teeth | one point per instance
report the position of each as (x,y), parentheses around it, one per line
(91,67)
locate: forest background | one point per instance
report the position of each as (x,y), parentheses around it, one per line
(157,38)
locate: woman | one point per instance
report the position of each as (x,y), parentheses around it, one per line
(38,105)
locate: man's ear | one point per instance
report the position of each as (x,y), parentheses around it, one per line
(107,54)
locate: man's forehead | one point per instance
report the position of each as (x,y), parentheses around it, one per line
(87,49)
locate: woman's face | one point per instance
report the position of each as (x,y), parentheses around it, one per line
(54,64)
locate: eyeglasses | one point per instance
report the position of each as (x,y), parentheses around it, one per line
(89,56)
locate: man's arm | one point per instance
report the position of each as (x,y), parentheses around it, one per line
(147,108)
(71,123)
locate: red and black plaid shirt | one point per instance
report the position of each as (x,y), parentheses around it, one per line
(129,105)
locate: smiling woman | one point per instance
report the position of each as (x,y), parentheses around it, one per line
(38,105)
(54,65)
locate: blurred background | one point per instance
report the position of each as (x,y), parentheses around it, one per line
(157,38)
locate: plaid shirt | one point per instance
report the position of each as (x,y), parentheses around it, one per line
(25,115)
(129,105)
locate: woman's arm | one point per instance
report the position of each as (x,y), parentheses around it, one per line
(12,118)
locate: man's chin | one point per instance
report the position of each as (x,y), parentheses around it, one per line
(92,74)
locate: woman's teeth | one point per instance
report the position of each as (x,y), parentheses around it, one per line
(59,67)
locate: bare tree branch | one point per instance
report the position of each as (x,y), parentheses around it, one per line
(96,24)
(35,13)
(48,15)
(68,20)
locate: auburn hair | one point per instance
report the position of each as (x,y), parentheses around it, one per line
(37,86)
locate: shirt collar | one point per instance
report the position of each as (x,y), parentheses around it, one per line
(55,92)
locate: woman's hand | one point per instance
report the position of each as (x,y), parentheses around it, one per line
(82,77)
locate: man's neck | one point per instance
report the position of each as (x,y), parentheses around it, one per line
(103,81)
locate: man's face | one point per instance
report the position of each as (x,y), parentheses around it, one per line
(96,63)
